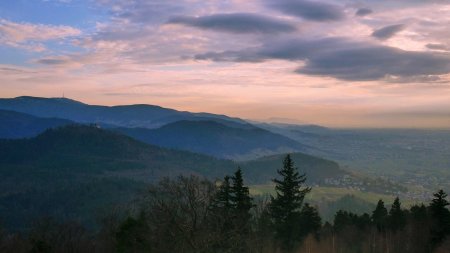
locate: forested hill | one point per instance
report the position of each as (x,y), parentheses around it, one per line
(91,149)
(20,125)
(216,139)
(80,172)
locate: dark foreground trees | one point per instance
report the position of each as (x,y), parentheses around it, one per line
(192,214)
(285,207)
(419,229)
(440,226)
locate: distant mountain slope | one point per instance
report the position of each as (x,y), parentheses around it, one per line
(77,171)
(19,125)
(317,169)
(94,150)
(148,116)
(219,138)
(216,139)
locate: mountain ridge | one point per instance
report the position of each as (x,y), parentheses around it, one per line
(20,125)
(212,136)
(138,115)
(216,139)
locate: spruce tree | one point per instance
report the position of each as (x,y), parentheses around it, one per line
(419,213)
(231,206)
(310,221)
(222,209)
(285,207)
(223,196)
(441,217)
(379,215)
(242,202)
(397,217)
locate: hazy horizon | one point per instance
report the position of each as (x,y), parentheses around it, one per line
(270,120)
(365,64)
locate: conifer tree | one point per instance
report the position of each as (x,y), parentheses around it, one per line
(241,204)
(419,212)
(379,215)
(222,208)
(223,196)
(231,206)
(441,217)
(397,217)
(285,207)
(310,221)
(241,200)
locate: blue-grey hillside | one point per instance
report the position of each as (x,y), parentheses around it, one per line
(140,115)
(216,139)
(215,135)
(20,125)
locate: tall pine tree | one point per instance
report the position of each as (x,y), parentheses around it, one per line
(222,210)
(379,216)
(232,205)
(286,206)
(397,217)
(242,202)
(223,196)
(440,218)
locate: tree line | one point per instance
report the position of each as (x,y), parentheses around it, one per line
(193,214)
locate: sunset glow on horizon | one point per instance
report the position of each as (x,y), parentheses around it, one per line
(349,63)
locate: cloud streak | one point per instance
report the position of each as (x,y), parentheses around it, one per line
(309,10)
(236,23)
(388,32)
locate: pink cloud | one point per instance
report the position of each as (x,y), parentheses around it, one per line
(31,36)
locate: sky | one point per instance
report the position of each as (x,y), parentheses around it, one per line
(338,63)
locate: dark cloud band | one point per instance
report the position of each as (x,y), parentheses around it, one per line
(309,10)
(344,59)
(441,47)
(236,23)
(387,32)
(363,12)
